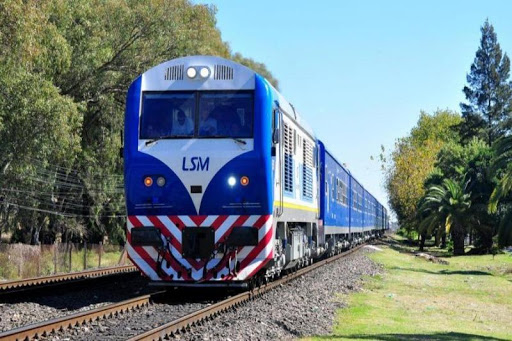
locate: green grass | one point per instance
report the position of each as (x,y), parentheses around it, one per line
(413,299)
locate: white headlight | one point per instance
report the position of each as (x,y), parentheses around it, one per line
(204,72)
(160,181)
(231,181)
(191,72)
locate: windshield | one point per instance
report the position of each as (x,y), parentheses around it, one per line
(225,114)
(196,114)
(167,114)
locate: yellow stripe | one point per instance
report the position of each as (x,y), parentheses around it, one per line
(297,207)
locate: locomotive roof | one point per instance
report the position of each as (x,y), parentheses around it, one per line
(170,75)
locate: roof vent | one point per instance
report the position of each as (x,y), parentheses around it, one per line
(174,73)
(222,72)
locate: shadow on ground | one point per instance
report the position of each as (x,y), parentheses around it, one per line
(412,248)
(416,337)
(446,272)
(394,245)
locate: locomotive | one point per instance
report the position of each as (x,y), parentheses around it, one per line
(226,184)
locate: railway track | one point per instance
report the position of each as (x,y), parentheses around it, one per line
(184,323)
(59,279)
(181,324)
(44,328)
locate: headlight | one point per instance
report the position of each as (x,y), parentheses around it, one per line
(160,181)
(191,72)
(231,181)
(204,72)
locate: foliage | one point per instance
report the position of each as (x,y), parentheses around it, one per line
(447,206)
(413,160)
(489,108)
(258,67)
(500,202)
(472,162)
(476,152)
(65,68)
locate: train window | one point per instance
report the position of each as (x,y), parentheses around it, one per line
(225,114)
(344,193)
(275,127)
(333,188)
(167,115)
(337,189)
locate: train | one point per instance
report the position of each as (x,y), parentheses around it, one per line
(225,182)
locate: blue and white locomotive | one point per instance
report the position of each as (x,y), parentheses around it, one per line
(226,184)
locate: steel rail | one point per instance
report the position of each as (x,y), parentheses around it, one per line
(44,328)
(29,283)
(184,323)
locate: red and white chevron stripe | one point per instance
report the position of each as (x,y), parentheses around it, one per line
(250,258)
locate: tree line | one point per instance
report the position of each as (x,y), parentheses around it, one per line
(65,67)
(452,175)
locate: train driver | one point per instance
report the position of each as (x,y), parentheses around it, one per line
(183,125)
(207,124)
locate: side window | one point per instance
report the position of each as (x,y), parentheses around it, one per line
(333,188)
(276,127)
(344,193)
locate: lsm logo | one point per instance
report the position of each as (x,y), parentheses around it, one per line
(195,163)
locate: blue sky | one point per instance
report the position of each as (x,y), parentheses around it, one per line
(360,71)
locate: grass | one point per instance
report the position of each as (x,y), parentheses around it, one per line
(20,261)
(413,299)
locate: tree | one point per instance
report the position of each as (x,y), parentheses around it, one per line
(413,160)
(65,68)
(501,201)
(447,206)
(489,94)
(471,162)
(258,67)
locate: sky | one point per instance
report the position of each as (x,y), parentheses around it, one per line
(360,72)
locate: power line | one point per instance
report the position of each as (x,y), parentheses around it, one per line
(61,213)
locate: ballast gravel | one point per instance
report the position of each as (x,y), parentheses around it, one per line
(62,301)
(305,306)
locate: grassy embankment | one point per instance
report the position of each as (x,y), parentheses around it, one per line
(413,299)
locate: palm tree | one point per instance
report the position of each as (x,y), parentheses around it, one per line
(447,206)
(502,169)
(501,164)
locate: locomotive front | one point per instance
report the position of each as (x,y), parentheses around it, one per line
(198,171)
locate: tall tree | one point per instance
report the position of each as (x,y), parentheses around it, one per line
(413,160)
(488,92)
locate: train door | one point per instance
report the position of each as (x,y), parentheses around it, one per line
(277,161)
